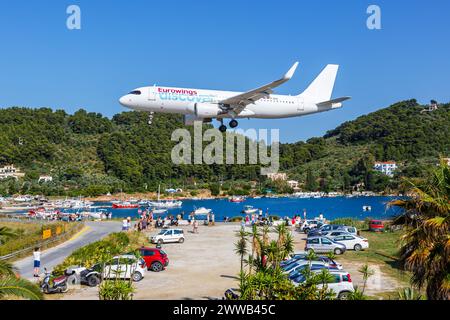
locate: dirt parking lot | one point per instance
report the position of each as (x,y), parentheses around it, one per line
(205,265)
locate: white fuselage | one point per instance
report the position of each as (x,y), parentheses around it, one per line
(183,101)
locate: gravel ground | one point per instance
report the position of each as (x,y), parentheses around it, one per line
(205,265)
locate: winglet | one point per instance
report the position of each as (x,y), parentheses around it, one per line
(291,72)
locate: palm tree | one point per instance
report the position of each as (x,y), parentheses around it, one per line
(256,246)
(425,245)
(10,285)
(241,246)
(367,273)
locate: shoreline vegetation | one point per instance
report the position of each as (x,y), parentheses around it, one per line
(87,154)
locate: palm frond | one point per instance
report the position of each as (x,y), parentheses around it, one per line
(19,288)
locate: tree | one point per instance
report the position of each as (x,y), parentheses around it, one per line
(425,249)
(310,183)
(215,189)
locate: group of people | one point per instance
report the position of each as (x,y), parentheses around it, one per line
(147,221)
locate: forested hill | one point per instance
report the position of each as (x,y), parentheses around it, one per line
(87,153)
(400,132)
(344,156)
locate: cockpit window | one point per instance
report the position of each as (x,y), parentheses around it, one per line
(135,92)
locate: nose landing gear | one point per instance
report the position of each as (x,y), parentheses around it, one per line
(150,118)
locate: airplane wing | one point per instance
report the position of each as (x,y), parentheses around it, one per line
(239,102)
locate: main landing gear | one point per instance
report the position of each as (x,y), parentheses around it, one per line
(223,128)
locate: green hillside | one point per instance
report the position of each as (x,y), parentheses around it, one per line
(400,132)
(89,154)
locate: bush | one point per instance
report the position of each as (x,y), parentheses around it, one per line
(96,252)
(116,289)
(358,224)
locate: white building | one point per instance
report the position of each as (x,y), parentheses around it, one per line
(9,171)
(45,179)
(277,176)
(294,185)
(386,168)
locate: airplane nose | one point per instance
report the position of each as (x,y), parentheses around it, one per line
(123,101)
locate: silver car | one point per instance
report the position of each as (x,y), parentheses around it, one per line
(324,244)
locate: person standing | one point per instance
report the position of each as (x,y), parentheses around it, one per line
(124,224)
(128,223)
(195,226)
(37,262)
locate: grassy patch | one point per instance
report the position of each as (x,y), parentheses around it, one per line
(383,251)
(29,234)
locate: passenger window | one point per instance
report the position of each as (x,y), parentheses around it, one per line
(149,253)
(313,241)
(336,279)
(349,238)
(326,241)
(339,239)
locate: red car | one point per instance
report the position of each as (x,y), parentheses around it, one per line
(155,259)
(376,225)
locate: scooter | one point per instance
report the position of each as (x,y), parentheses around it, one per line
(59,284)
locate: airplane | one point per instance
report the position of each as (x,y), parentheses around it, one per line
(205,105)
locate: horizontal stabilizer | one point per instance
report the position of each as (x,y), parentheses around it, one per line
(333,102)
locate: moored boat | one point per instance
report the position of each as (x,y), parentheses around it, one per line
(125,205)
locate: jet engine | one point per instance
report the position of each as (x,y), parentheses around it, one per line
(207,110)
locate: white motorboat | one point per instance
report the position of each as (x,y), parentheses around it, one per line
(159,211)
(202,211)
(249,210)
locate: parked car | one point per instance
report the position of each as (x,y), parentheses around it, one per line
(341,284)
(329,234)
(349,229)
(125,266)
(324,244)
(376,225)
(308,225)
(294,257)
(330,262)
(168,236)
(352,242)
(295,269)
(325,228)
(155,259)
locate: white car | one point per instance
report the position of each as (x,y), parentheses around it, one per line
(168,236)
(341,284)
(125,266)
(352,242)
(309,225)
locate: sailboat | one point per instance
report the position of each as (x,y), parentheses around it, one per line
(164,204)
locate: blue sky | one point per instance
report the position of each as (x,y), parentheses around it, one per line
(229,45)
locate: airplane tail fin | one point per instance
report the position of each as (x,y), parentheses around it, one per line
(322,87)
